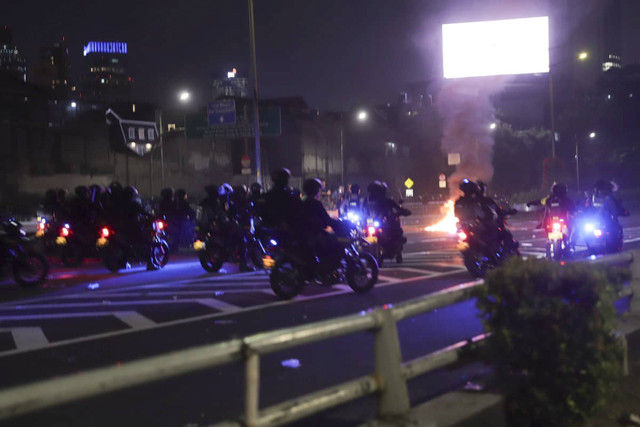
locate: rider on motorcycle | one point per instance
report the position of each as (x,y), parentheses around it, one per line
(352,203)
(474,211)
(315,220)
(495,211)
(281,207)
(388,212)
(558,204)
(239,211)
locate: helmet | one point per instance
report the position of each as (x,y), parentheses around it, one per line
(225,189)
(355,189)
(240,191)
(559,189)
(375,189)
(82,192)
(211,190)
(166,193)
(130,193)
(280,177)
(469,188)
(180,194)
(312,187)
(482,187)
(603,186)
(256,188)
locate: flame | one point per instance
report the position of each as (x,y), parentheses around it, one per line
(448,223)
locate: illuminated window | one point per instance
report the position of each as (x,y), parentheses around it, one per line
(132,133)
(141,134)
(171,126)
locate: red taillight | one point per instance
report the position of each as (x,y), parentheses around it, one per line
(105,232)
(64,232)
(371,230)
(557,226)
(462,235)
(160,225)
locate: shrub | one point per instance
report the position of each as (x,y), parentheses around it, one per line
(552,344)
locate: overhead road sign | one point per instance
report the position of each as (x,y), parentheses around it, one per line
(222,112)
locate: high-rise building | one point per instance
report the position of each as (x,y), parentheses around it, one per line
(232,85)
(11,61)
(106,78)
(54,70)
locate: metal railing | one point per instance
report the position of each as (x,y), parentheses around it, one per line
(389,381)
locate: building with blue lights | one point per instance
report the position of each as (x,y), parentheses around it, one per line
(12,63)
(106,79)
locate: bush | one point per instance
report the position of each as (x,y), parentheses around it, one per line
(552,344)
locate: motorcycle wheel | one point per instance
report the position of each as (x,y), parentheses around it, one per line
(71,257)
(475,264)
(114,260)
(159,255)
(363,274)
(30,269)
(285,280)
(211,260)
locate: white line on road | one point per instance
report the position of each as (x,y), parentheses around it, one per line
(134,319)
(27,338)
(106,303)
(218,305)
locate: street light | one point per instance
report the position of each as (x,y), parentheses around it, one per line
(493,126)
(592,135)
(362,115)
(583,55)
(184,96)
(73,104)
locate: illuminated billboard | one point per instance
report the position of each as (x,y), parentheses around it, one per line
(105,47)
(492,48)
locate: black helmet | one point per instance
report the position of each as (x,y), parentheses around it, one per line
(180,194)
(280,177)
(559,189)
(603,186)
(166,193)
(256,188)
(82,192)
(355,189)
(130,193)
(312,187)
(469,188)
(211,190)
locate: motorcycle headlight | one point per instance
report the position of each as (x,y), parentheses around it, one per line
(589,227)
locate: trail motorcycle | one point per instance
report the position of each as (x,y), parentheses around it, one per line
(298,267)
(29,267)
(117,251)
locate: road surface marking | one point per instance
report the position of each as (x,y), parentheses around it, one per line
(218,305)
(134,319)
(27,338)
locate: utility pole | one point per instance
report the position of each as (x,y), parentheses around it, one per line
(256,118)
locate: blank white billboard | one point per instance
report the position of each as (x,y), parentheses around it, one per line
(492,48)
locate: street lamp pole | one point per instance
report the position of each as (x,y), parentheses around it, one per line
(256,118)
(577,164)
(342,151)
(553,123)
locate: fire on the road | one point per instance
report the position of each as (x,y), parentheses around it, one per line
(448,223)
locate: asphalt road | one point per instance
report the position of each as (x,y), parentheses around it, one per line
(87,317)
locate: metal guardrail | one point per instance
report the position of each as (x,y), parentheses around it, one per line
(389,381)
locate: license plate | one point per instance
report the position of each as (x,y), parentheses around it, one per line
(61,241)
(555,235)
(102,241)
(372,239)
(39,233)
(268,262)
(462,246)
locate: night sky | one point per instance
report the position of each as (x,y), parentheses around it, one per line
(335,53)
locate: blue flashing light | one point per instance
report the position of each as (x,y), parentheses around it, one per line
(376,224)
(93,286)
(291,363)
(273,242)
(105,47)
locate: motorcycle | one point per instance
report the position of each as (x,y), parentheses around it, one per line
(297,267)
(75,245)
(479,257)
(601,232)
(386,242)
(222,242)
(557,229)
(29,268)
(46,234)
(116,251)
